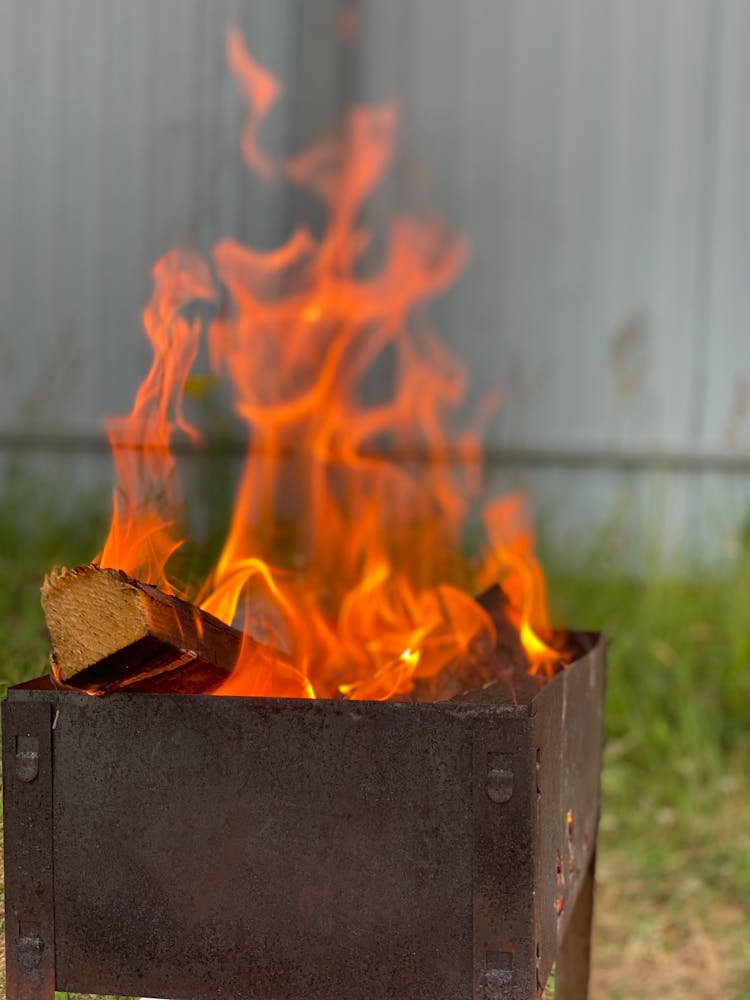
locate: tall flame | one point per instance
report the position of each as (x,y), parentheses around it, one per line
(347,561)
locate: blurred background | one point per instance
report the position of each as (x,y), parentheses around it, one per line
(597,154)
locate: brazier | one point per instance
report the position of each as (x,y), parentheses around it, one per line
(221,847)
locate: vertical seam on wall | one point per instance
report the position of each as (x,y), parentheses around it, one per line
(706,253)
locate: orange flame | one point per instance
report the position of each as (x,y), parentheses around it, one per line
(142,534)
(349,563)
(510,560)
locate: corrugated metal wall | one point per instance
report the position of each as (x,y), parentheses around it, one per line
(596,152)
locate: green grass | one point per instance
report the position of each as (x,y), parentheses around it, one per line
(678,715)
(34,536)
(678,664)
(82,996)
(675,831)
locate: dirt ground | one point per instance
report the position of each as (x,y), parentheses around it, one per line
(645,953)
(699,963)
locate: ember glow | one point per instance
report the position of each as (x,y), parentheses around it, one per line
(368,593)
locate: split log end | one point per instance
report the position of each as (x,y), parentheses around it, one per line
(104,619)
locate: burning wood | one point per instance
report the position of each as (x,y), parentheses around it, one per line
(365,587)
(490,658)
(108,629)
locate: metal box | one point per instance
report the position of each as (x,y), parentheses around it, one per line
(279,849)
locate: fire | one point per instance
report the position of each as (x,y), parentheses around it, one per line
(344,549)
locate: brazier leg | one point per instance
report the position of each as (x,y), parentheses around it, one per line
(29,983)
(573,959)
(27,796)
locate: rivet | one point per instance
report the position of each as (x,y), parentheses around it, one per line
(29,951)
(496,981)
(27,758)
(499,777)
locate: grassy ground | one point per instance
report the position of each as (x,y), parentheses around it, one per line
(673,899)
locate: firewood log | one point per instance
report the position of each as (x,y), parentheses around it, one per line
(108,629)
(484,662)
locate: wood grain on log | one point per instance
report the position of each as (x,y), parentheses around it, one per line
(106,627)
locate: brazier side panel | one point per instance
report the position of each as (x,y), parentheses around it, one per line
(568,735)
(231,847)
